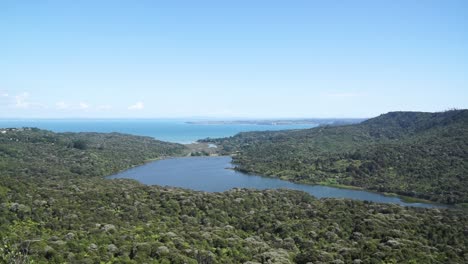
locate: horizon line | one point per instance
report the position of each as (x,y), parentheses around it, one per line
(184,118)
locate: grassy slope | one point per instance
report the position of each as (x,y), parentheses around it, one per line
(422,155)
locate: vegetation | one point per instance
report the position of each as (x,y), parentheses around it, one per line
(94,220)
(51,213)
(44,154)
(422,155)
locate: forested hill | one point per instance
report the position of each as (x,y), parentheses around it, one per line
(417,154)
(42,153)
(396,125)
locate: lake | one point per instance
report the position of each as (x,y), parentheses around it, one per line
(215,174)
(172,130)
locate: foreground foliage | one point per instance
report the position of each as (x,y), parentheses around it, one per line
(93,220)
(423,155)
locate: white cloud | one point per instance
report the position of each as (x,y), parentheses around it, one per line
(83,105)
(4,93)
(21,100)
(104,107)
(62,105)
(343,94)
(5,99)
(137,106)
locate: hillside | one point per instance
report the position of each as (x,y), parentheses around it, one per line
(423,155)
(56,214)
(41,153)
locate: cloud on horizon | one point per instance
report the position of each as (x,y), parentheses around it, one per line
(62,105)
(21,100)
(338,95)
(104,107)
(83,106)
(137,106)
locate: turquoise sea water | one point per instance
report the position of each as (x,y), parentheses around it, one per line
(163,129)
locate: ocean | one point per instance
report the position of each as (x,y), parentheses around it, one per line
(171,130)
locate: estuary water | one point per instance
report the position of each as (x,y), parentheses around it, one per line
(215,174)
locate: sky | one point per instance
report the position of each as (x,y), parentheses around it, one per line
(228,59)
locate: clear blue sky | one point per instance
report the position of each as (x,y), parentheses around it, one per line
(153,59)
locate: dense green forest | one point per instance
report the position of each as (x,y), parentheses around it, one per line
(55,207)
(423,155)
(44,154)
(94,220)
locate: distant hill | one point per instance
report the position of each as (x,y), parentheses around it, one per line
(417,154)
(273,122)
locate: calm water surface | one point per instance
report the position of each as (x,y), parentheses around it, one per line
(172,130)
(210,174)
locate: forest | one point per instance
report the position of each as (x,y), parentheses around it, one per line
(56,207)
(415,154)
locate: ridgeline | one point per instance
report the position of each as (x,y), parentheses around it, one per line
(422,155)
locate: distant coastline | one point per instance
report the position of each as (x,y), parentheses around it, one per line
(176,131)
(281,122)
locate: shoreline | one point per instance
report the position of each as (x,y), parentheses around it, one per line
(402,198)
